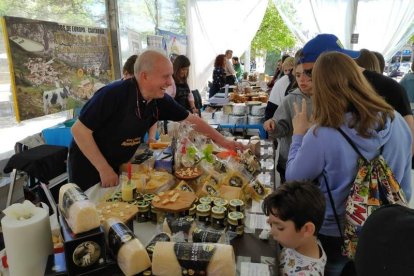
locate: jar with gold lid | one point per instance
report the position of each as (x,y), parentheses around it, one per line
(235,222)
(220,202)
(189,212)
(203,213)
(236,205)
(205,200)
(143,211)
(218,217)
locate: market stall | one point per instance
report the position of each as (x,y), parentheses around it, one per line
(184,206)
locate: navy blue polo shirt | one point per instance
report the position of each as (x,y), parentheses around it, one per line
(119,118)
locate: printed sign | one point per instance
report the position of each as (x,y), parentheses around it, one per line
(55,66)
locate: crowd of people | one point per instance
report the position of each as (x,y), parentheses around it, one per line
(340,93)
(323,103)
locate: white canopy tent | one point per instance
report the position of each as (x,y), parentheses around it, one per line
(382,25)
(214,26)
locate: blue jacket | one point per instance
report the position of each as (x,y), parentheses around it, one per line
(327,151)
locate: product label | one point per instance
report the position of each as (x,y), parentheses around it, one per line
(217,223)
(194,258)
(201,235)
(236,181)
(71,195)
(118,235)
(219,166)
(211,190)
(186,188)
(157,238)
(180,224)
(86,254)
(258,187)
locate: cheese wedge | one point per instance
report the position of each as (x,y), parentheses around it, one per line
(131,255)
(80,213)
(165,261)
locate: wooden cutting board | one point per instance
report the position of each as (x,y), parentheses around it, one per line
(120,210)
(183,201)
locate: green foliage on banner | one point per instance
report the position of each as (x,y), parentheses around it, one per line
(273,35)
(79,12)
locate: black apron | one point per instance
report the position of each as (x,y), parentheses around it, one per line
(181,96)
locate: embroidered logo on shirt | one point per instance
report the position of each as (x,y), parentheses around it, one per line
(131,142)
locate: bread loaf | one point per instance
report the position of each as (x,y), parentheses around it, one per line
(128,251)
(176,259)
(80,214)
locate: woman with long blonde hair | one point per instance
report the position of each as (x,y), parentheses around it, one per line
(343,99)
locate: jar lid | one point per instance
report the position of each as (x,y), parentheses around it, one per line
(142,204)
(220,202)
(236,202)
(203,207)
(148,197)
(236,216)
(218,210)
(205,200)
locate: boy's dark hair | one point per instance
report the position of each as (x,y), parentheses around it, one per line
(129,65)
(235,59)
(299,201)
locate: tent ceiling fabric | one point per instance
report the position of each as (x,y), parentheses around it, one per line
(383,25)
(213,26)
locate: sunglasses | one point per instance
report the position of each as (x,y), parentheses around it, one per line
(308,72)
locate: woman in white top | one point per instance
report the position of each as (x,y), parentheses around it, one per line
(281,87)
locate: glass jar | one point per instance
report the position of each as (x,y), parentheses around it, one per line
(235,221)
(236,205)
(143,211)
(203,213)
(218,215)
(189,212)
(205,200)
(220,202)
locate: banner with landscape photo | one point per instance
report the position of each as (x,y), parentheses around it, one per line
(55,66)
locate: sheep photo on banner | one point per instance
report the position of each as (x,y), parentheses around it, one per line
(54,66)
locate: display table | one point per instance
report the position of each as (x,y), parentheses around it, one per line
(262,132)
(249,248)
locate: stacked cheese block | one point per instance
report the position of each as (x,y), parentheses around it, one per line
(80,213)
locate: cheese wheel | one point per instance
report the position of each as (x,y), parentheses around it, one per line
(131,255)
(80,213)
(166,263)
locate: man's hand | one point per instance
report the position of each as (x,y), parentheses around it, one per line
(232,145)
(300,120)
(269,125)
(108,177)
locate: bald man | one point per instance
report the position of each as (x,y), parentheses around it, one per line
(114,121)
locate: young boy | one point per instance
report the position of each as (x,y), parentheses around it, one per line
(296,211)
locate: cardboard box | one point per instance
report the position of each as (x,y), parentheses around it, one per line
(84,252)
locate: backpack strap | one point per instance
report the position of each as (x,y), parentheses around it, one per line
(353,145)
(333,207)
